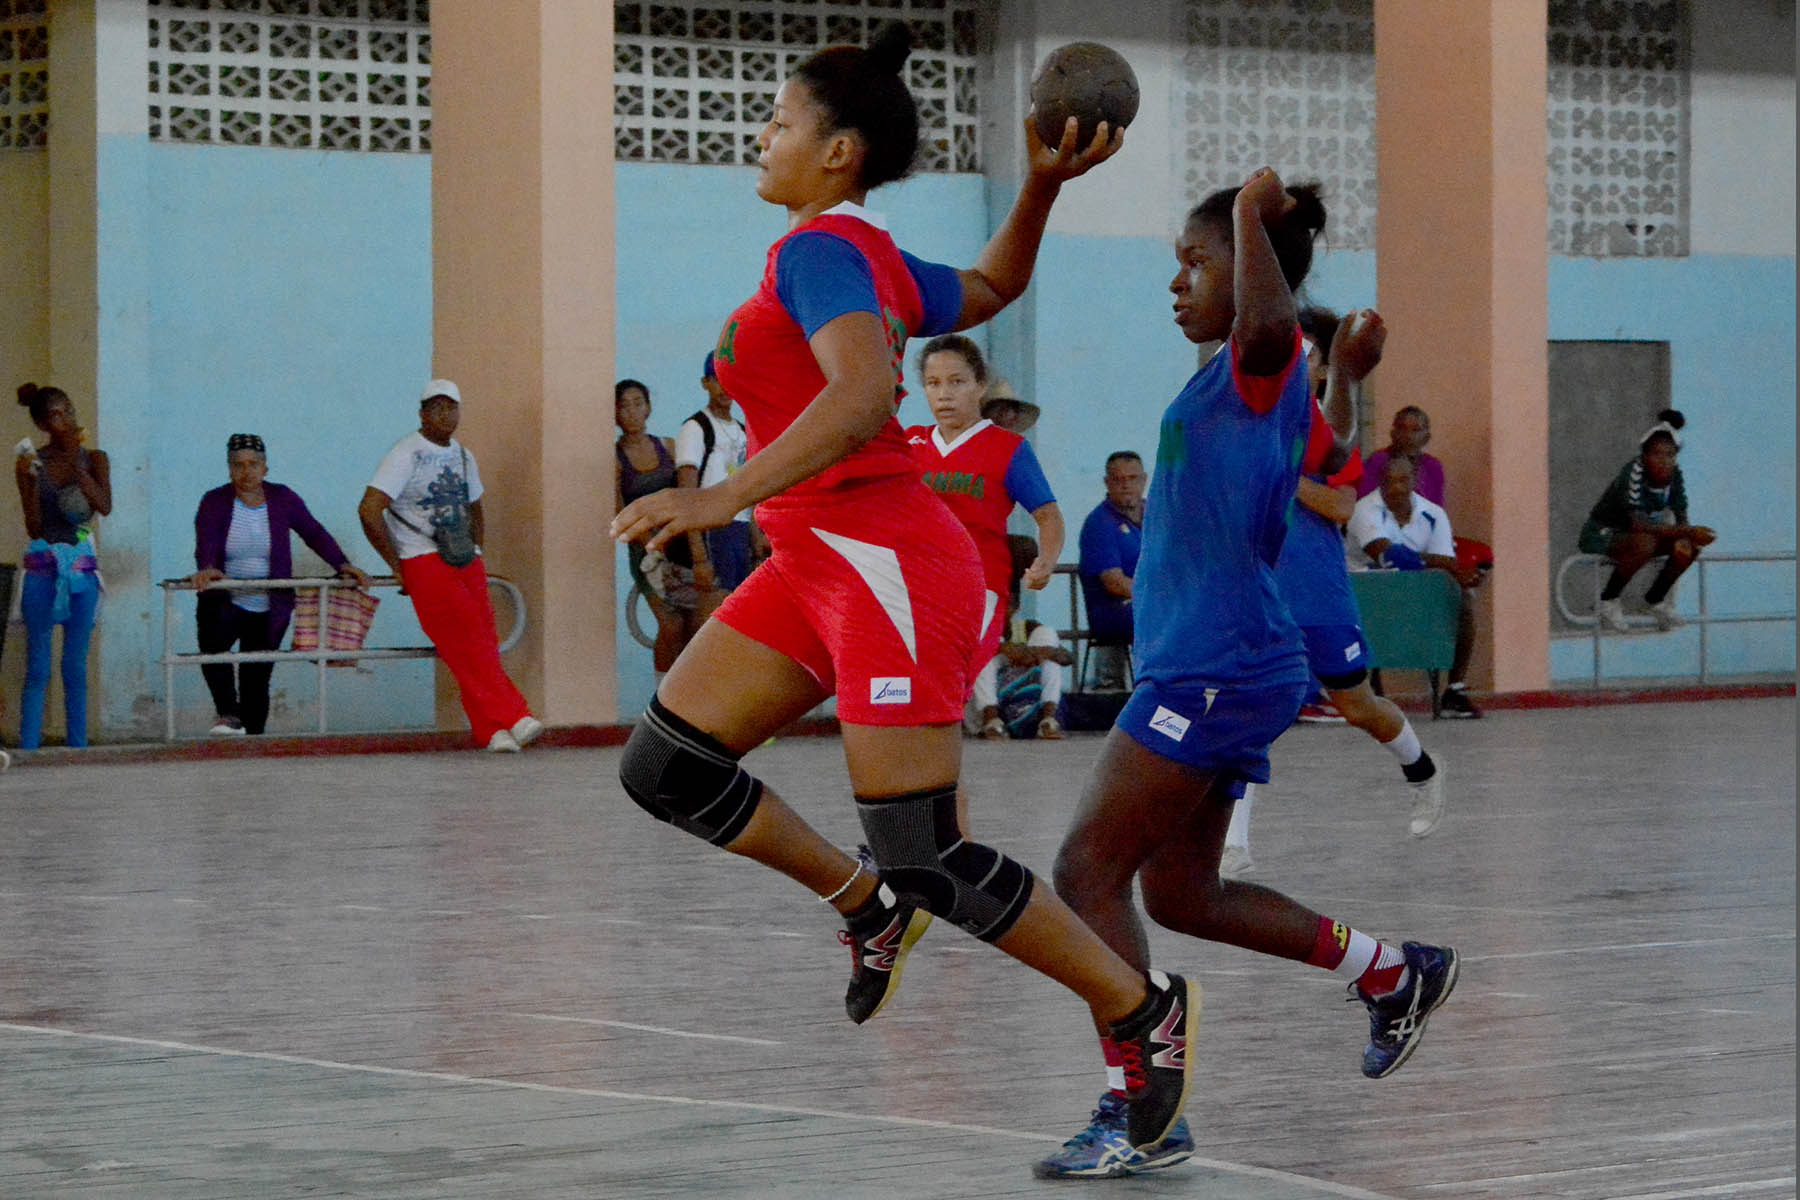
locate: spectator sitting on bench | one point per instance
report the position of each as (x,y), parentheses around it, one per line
(1410,434)
(1110,539)
(1644,515)
(1395,527)
(1018,691)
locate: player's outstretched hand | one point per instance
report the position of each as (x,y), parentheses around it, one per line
(656,518)
(1068,160)
(1265,195)
(1356,348)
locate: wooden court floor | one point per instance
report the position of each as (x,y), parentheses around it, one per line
(449,975)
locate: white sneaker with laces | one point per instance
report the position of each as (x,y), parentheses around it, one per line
(1428,800)
(1235,862)
(1664,614)
(527,730)
(503,743)
(1612,616)
(227,727)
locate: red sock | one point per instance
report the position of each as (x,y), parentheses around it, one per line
(1377,968)
(1115,1066)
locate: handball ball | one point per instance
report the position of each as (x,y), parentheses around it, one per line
(1085,80)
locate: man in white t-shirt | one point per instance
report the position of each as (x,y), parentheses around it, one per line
(422,513)
(1395,527)
(710,447)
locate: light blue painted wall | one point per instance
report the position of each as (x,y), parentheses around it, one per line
(692,242)
(289,296)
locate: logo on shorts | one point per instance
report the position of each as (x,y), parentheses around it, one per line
(1171,725)
(891,690)
(1352,652)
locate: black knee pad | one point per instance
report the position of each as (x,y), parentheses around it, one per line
(687,778)
(923,857)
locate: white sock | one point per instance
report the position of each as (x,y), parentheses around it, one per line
(1405,745)
(1238,832)
(1357,955)
(1115,1078)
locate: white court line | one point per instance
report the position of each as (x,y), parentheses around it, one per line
(680,1033)
(362,908)
(1324,1186)
(1723,1189)
(1554,914)
(1624,947)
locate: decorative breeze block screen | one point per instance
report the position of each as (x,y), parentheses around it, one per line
(1619,132)
(1292,83)
(695,82)
(298,74)
(1285,82)
(24,74)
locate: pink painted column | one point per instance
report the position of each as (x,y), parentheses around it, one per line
(1461,270)
(523,318)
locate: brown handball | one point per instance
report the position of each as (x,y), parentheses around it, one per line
(1085,80)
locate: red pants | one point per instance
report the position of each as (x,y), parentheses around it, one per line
(453,608)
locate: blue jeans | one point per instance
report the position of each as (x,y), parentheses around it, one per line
(35,603)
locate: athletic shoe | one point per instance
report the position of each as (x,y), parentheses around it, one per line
(1397,1021)
(527,730)
(1611,615)
(1428,800)
(1664,614)
(5,760)
(1455,705)
(1324,712)
(994,730)
(1155,1043)
(503,743)
(1050,729)
(227,727)
(879,941)
(1235,862)
(1102,1151)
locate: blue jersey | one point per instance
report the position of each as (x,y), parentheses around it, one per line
(1208,611)
(1311,572)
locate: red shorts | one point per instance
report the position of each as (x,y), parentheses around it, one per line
(878,594)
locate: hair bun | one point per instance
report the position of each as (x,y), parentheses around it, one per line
(1672,418)
(1309,208)
(28,392)
(888,52)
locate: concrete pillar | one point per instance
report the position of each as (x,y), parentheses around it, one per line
(99,336)
(1461,270)
(523,315)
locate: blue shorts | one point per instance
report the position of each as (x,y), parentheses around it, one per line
(729,549)
(1223,730)
(1337,654)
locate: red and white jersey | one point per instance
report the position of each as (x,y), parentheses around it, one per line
(972,475)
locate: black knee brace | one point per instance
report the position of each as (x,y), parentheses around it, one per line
(923,856)
(687,778)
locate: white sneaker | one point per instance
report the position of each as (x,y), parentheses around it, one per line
(503,743)
(1235,862)
(227,727)
(1612,616)
(5,760)
(527,730)
(1428,801)
(1664,614)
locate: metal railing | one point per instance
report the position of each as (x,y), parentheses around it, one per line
(1602,568)
(324,657)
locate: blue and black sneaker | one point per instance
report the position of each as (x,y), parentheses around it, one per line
(1397,1021)
(1103,1151)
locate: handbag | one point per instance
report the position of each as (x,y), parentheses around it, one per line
(348,615)
(451,535)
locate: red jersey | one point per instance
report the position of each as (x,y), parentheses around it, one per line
(764,360)
(970,476)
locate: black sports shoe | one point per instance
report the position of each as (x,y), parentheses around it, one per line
(1455,705)
(1154,1042)
(880,936)
(1397,1021)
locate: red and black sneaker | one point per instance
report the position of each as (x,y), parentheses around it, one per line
(1154,1042)
(880,935)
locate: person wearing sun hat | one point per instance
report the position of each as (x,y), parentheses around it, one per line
(1002,405)
(422,513)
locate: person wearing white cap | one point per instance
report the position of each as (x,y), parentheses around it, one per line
(422,513)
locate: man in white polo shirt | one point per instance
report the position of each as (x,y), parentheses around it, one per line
(1395,527)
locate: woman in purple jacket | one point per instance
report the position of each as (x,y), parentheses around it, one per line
(241,532)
